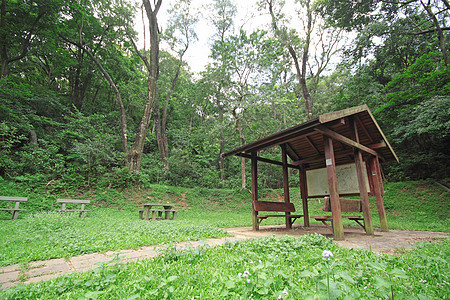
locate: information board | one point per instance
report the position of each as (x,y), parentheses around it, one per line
(317,180)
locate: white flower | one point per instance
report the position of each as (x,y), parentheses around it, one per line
(248,280)
(260,261)
(327,254)
(240,275)
(285,291)
(279,296)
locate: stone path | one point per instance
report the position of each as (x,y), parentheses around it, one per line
(381,242)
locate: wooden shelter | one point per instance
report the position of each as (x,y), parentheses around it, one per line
(350,136)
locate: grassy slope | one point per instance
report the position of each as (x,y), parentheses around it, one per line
(411,205)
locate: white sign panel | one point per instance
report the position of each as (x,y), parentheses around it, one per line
(317,180)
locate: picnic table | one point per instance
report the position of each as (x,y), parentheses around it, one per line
(157,210)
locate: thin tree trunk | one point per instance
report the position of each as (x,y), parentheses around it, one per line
(163,144)
(301,73)
(242,140)
(221,143)
(4,57)
(135,154)
(116,91)
(439,31)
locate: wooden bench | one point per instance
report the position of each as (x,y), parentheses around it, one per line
(14,211)
(82,210)
(347,205)
(283,207)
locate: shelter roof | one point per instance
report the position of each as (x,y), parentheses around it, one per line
(305,144)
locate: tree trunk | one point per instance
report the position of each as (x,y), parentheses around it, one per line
(242,139)
(4,57)
(301,73)
(106,75)
(161,135)
(305,91)
(439,31)
(221,143)
(135,154)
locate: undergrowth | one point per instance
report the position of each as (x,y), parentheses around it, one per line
(267,268)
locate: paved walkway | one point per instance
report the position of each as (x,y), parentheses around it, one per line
(381,242)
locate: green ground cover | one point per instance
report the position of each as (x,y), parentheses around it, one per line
(269,268)
(290,268)
(113,223)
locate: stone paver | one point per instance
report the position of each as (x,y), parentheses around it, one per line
(380,242)
(52,266)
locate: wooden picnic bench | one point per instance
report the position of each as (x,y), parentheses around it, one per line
(347,205)
(283,207)
(82,210)
(157,212)
(15,210)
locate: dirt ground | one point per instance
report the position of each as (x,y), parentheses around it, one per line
(388,242)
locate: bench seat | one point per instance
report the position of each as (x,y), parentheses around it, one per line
(282,207)
(13,210)
(82,203)
(324,220)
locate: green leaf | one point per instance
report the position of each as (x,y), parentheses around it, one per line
(347,277)
(378,266)
(230,284)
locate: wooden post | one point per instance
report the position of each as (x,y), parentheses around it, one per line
(338,228)
(374,171)
(304,195)
(285,182)
(368,224)
(254,190)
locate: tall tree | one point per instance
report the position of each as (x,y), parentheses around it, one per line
(179,34)
(223,12)
(20,22)
(134,157)
(299,45)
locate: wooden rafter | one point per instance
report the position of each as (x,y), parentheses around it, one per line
(360,124)
(312,144)
(336,136)
(270,161)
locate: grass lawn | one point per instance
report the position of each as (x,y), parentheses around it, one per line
(113,224)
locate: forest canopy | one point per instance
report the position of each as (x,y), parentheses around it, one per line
(88,100)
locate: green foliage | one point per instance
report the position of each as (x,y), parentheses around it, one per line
(267,268)
(50,234)
(418,117)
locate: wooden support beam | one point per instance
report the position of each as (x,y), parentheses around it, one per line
(270,161)
(285,182)
(319,158)
(338,228)
(340,138)
(254,190)
(304,195)
(373,170)
(380,176)
(291,152)
(381,144)
(285,139)
(360,123)
(312,144)
(368,225)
